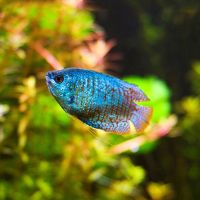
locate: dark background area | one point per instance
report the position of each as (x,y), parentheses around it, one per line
(170,55)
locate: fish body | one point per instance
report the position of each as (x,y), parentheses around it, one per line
(99,100)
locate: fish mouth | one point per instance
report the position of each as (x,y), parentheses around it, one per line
(48,81)
(48,77)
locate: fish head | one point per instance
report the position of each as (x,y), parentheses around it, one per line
(58,83)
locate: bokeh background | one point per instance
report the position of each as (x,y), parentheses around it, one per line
(46,154)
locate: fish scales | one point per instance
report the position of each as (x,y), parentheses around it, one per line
(99,100)
(89,90)
(89,86)
(107,99)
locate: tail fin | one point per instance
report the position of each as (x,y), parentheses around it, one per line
(141,117)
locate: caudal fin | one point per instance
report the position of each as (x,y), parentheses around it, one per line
(141,117)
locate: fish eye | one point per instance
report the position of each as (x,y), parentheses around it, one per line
(59,79)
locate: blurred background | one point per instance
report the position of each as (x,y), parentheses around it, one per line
(46,154)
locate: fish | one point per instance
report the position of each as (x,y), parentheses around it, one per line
(99,100)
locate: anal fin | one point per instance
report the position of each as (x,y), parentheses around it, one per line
(120,127)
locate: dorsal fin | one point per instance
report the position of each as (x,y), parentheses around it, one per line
(135,93)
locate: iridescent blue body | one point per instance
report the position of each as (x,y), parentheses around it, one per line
(99,100)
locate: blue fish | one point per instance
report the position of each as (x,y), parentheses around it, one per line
(99,100)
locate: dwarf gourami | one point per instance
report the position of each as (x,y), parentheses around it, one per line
(99,100)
